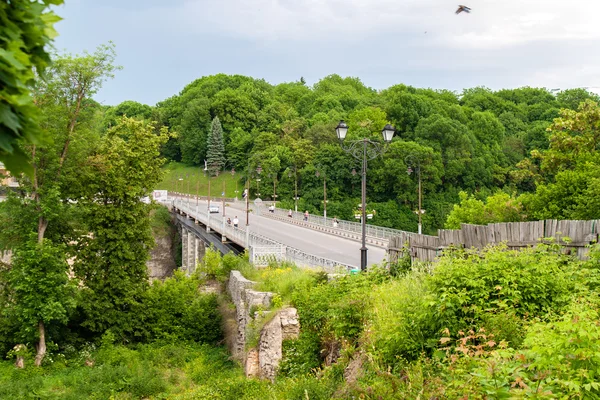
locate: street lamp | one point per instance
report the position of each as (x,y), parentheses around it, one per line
(364,150)
(236,183)
(295,187)
(258,171)
(181,189)
(324,192)
(274,177)
(412,160)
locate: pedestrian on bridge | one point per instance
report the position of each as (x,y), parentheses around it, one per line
(290,213)
(236,221)
(306,215)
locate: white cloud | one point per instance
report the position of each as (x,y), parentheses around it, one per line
(492,23)
(502,43)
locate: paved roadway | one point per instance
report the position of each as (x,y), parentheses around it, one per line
(317,243)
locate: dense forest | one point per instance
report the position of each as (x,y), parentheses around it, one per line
(480,141)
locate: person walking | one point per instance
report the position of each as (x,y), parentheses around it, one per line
(290,213)
(236,221)
(335,222)
(306,215)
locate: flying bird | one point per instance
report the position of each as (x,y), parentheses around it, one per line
(463,8)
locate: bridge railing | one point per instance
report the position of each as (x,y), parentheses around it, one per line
(278,250)
(378,232)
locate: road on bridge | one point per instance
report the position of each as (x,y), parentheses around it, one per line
(317,243)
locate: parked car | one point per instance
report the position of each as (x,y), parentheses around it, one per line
(213,209)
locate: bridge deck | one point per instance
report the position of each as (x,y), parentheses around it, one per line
(340,249)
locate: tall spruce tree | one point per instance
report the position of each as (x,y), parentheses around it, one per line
(215,154)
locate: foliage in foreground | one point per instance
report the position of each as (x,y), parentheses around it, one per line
(491,325)
(26,28)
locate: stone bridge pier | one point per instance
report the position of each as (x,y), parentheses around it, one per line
(192,250)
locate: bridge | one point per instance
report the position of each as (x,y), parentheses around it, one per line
(314,243)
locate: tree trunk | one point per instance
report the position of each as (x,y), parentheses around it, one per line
(42,225)
(19,349)
(41,348)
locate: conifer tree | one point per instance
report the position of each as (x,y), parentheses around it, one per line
(215,153)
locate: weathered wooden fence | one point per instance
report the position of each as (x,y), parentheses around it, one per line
(574,236)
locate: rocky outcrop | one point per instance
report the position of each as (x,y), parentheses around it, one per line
(5,257)
(251,306)
(162,261)
(283,326)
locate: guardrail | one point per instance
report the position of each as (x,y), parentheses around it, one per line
(375,235)
(239,236)
(378,232)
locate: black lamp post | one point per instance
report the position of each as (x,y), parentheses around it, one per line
(412,160)
(324,192)
(258,171)
(274,177)
(364,150)
(295,187)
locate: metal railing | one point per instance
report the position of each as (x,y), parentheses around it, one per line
(238,235)
(372,231)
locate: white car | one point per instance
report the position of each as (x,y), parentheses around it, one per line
(213,209)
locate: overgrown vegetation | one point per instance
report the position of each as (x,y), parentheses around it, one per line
(494,324)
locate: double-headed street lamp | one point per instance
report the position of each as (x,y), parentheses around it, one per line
(364,150)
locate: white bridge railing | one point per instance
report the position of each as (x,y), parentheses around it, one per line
(262,249)
(372,231)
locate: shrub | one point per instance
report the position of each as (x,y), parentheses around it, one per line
(530,282)
(176,310)
(212,263)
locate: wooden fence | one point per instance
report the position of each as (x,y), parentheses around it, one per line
(516,235)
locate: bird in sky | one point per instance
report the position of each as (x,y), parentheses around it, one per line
(463,8)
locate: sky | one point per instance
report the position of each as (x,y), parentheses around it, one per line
(165,45)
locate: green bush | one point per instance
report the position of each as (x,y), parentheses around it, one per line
(401,326)
(529,282)
(301,356)
(176,310)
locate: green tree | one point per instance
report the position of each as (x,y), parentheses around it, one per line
(572,98)
(41,291)
(215,153)
(67,114)
(501,207)
(26,27)
(193,131)
(113,250)
(127,108)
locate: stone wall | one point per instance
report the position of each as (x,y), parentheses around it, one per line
(262,361)
(162,261)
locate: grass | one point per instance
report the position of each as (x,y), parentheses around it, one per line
(193,181)
(156,371)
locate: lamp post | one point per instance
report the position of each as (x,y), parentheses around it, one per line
(188,194)
(413,160)
(247,190)
(223,197)
(274,177)
(295,187)
(364,150)
(236,183)
(258,171)
(180,179)
(324,192)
